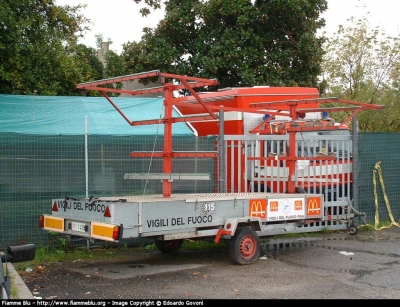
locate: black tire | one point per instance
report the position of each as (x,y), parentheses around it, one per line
(244,247)
(168,247)
(298,190)
(263,187)
(353,230)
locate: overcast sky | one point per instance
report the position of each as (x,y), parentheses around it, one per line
(121,21)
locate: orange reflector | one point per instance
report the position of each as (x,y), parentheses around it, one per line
(53,223)
(107,213)
(55,207)
(106,232)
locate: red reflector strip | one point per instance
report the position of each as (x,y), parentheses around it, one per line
(107,212)
(55,207)
(116,233)
(41,221)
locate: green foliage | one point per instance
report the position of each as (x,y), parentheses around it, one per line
(362,64)
(58,242)
(13,290)
(83,66)
(149,247)
(200,244)
(60,250)
(366,227)
(50,254)
(100,40)
(326,231)
(115,67)
(38,52)
(156,4)
(237,42)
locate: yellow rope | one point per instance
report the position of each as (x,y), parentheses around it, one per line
(377,169)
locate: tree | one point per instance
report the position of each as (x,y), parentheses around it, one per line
(38,52)
(241,43)
(155,4)
(83,66)
(362,64)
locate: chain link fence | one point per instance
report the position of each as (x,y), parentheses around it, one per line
(34,169)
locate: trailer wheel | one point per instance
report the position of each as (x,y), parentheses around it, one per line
(353,229)
(168,247)
(244,247)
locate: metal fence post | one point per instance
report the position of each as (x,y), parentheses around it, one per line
(355,163)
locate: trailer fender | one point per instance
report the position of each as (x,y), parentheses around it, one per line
(232,224)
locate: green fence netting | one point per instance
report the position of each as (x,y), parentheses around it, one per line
(34,169)
(378,189)
(37,168)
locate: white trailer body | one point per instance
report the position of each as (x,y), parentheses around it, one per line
(182,215)
(241,218)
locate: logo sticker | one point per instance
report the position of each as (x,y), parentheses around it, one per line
(298,205)
(314,206)
(273,206)
(258,208)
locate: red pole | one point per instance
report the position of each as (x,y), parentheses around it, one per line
(292,151)
(167,184)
